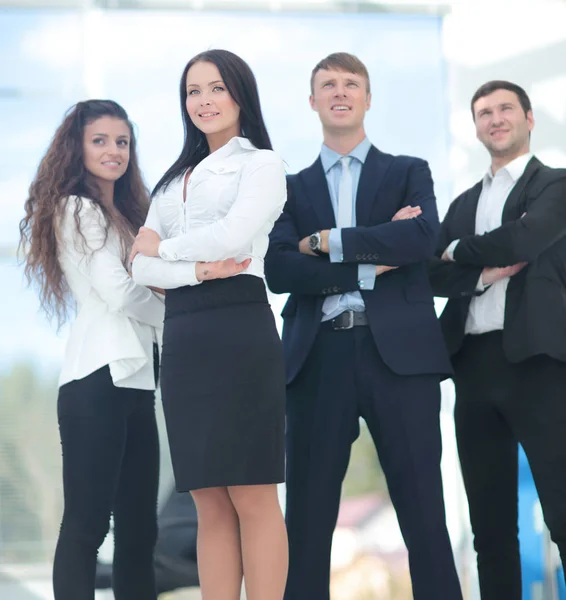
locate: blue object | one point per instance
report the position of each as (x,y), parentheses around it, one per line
(560,584)
(532,540)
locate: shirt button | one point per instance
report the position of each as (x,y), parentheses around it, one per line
(361,284)
(221,169)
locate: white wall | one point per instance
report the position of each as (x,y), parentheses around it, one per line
(522,42)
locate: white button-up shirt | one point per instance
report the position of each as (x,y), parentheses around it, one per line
(233,198)
(117,320)
(487,312)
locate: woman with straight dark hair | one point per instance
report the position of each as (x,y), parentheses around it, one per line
(222,375)
(85,205)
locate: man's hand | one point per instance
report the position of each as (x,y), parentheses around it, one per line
(380,269)
(324,235)
(220,269)
(304,243)
(147,243)
(407,212)
(492,274)
(304,246)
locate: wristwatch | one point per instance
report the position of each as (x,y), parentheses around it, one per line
(314,243)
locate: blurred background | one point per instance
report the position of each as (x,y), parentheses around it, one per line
(425,61)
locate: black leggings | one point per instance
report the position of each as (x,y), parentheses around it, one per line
(110,466)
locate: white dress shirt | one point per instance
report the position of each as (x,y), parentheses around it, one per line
(487,312)
(117,320)
(233,198)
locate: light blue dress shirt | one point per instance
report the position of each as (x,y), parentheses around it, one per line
(333,170)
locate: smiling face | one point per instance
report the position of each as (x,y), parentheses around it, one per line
(210,106)
(502,125)
(341,100)
(106,149)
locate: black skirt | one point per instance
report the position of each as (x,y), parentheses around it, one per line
(223,385)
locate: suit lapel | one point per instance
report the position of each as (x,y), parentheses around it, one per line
(511,209)
(470,209)
(317,192)
(372,175)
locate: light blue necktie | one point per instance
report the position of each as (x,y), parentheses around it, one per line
(343,218)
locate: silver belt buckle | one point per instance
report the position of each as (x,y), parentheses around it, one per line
(350,323)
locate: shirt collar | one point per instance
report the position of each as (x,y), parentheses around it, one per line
(244,143)
(234,145)
(514,169)
(329,157)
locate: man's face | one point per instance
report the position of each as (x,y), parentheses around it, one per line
(341,100)
(501,124)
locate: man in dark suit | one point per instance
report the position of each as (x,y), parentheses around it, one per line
(501,261)
(361,337)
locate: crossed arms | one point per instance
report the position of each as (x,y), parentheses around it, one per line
(408,238)
(480,260)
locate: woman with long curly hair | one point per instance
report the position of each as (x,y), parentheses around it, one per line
(85,204)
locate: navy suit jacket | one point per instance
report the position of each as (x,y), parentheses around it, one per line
(400,308)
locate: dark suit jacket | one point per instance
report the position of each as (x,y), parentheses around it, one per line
(535,308)
(400,308)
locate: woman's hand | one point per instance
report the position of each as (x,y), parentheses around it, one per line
(220,269)
(147,243)
(156,290)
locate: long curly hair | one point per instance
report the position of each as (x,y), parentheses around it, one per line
(62,174)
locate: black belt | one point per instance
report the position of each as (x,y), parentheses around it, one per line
(348,319)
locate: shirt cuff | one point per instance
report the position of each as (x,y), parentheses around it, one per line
(366,277)
(481,286)
(335,250)
(166,252)
(450,250)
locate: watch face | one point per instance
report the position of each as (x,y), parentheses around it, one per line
(313,242)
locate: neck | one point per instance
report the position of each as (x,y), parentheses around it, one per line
(107,191)
(343,142)
(498,162)
(221,138)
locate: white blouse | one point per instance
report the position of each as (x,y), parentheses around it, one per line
(117,320)
(233,198)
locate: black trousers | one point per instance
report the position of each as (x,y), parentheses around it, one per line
(345,379)
(498,406)
(110,466)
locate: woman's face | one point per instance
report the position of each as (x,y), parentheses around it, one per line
(106,148)
(209,104)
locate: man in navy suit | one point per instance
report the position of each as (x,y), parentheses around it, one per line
(361,337)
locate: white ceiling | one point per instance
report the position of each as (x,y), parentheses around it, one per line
(417,6)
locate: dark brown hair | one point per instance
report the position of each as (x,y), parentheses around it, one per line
(62,174)
(492,86)
(242,86)
(341,61)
